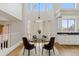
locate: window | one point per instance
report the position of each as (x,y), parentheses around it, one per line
(39,6)
(68,25)
(28,6)
(49,6)
(67,5)
(64,25)
(36,7)
(71,25)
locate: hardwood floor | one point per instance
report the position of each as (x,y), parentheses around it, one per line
(67,50)
(63,50)
(16,51)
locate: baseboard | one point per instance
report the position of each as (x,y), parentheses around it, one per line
(6,51)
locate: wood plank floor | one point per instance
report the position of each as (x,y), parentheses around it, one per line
(16,51)
(63,50)
(67,50)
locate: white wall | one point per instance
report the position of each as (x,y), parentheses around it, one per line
(14,9)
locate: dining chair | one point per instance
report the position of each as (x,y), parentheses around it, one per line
(28,46)
(49,46)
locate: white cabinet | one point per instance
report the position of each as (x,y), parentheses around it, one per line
(68,39)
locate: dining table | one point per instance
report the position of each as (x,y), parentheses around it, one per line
(39,44)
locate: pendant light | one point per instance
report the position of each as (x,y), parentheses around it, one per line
(39,20)
(39,12)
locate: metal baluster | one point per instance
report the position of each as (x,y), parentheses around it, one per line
(7,44)
(4,43)
(1,42)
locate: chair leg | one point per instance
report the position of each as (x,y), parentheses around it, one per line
(42,51)
(23,51)
(28,52)
(53,51)
(49,52)
(35,49)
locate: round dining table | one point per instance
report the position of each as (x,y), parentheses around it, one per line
(39,44)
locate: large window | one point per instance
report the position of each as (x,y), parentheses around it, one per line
(43,6)
(28,6)
(68,25)
(39,6)
(64,25)
(67,5)
(49,6)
